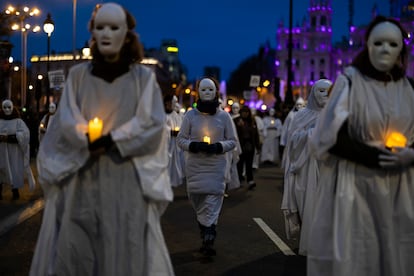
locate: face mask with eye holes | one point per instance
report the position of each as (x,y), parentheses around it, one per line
(7,107)
(385,43)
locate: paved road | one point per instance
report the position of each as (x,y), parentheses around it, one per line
(250,239)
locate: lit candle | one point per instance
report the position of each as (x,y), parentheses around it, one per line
(272,122)
(95,129)
(396,139)
(206,139)
(177,128)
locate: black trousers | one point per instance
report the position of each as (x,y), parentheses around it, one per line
(246,161)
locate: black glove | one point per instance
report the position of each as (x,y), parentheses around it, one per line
(215,148)
(12,139)
(104,142)
(196,147)
(355,151)
(174,133)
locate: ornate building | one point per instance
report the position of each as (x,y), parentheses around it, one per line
(314,56)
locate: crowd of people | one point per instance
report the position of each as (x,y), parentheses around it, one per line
(108,164)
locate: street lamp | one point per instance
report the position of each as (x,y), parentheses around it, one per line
(48,27)
(22,13)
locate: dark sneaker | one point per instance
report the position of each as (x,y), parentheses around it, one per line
(252,185)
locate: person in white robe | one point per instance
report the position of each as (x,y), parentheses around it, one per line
(175,153)
(14,151)
(364,222)
(270,147)
(262,133)
(206,134)
(46,120)
(299,104)
(301,182)
(232,157)
(103,163)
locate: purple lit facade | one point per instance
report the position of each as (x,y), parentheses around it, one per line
(314,55)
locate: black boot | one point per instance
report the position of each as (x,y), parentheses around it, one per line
(16,194)
(202,230)
(208,241)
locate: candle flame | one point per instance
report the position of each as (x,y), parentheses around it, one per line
(396,139)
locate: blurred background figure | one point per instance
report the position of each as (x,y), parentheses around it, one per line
(262,133)
(14,151)
(46,120)
(235,110)
(175,153)
(250,143)
(299,104)
(270,148)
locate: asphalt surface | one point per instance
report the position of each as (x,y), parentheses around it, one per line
(14,212)
(250,224)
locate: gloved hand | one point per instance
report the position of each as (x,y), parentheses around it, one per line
(215,148)
(196,147)
(100,145)
(398,158)
(174,133)
(12,139)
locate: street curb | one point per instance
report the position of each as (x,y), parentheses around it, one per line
(21,215)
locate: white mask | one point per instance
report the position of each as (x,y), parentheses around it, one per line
(52,108)
(109,30)
(7,107)
(207,90)
(321,91)
(385,43)
(300,103)
(235,108)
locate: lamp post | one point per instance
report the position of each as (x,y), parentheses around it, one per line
(289,92)
(22,13)
(48,27)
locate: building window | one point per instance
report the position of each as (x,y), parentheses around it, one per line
(322,61)
(313,22)
(321,75)
(312,62)
(323,20)
(312,76)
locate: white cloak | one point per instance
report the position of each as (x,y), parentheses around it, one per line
(106,210)
(364,219)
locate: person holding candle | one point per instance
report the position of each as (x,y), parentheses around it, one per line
(103,163)
(206,134)
(175,153)
(364,221)
(14,150)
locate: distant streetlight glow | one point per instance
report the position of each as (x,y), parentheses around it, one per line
(22,13)
(48,27)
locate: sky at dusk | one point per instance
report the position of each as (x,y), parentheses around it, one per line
(219,33)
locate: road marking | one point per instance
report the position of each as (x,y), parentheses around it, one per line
(274,237)
(23,214)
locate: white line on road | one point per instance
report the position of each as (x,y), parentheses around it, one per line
(21,215)
(274,237)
